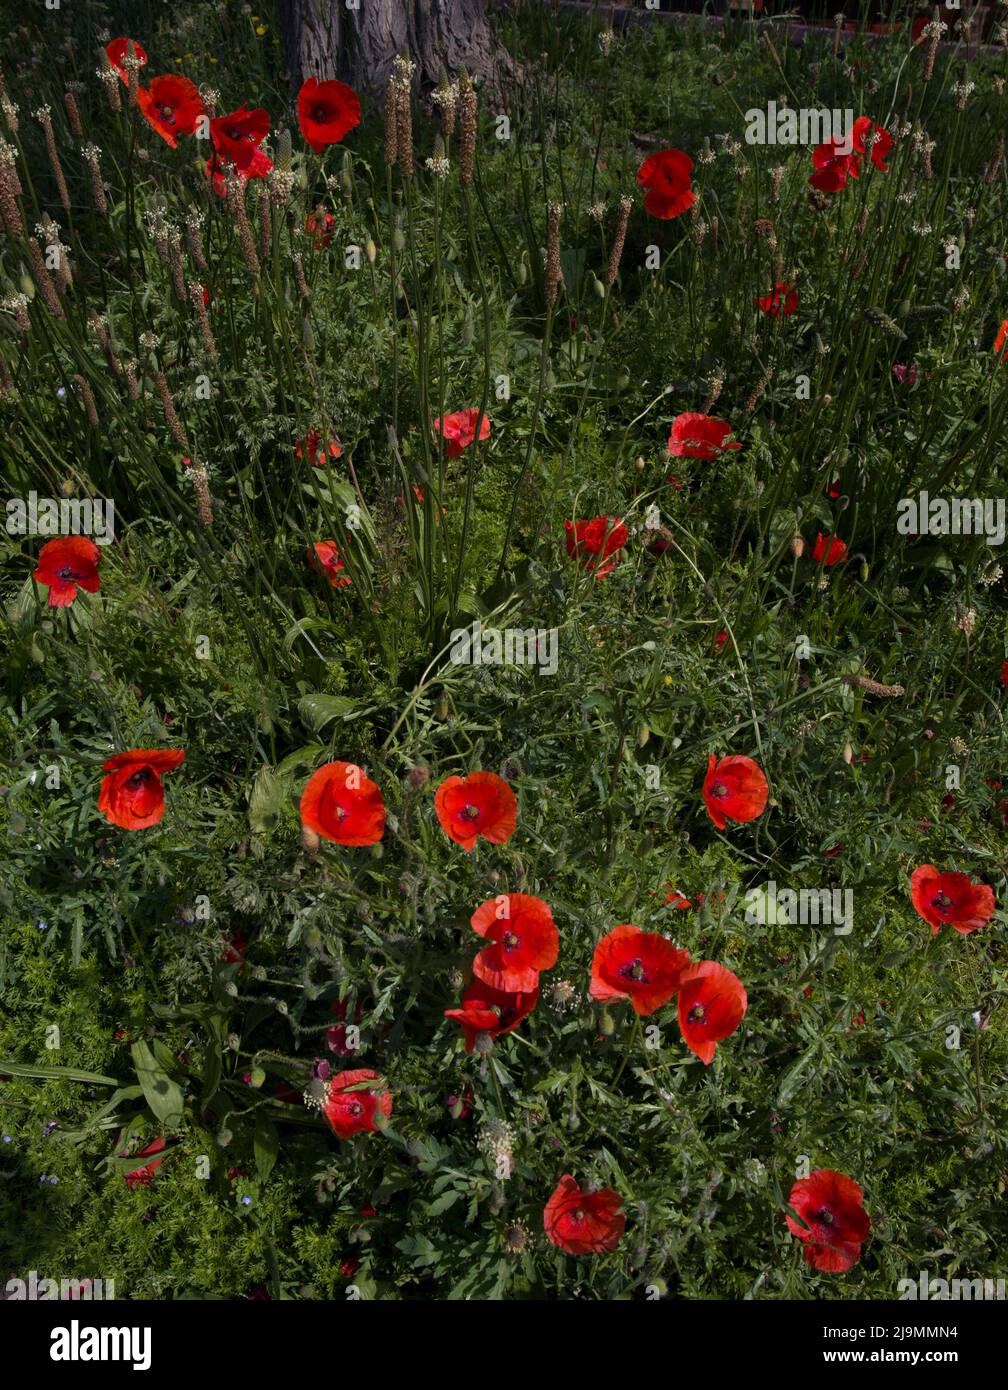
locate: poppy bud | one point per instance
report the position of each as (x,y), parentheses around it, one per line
(224,1136)
(441,710)
(27,284)
(307,336)
(68,488)
(640,465)
(371,251)
(864,571)
(310,839)
(418,777)
(848,753)
(37,655)
(643,734)
(376,851)
(797,546)
(257,1077)
(398,238)
(468,332)
(597,286)
(522,273)
(607,1024)
(659,1285)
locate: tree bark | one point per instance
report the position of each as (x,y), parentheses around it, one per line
(327,38)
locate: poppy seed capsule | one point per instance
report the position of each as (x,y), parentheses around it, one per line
(797,546)
(848,753)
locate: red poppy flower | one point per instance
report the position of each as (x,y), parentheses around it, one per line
(712,1004)
(326,111)
(951,898)
(695,436)
(828,550)
(491,1011)
(676,899)
(1002,336)
(594,542)
(525,941)
(459,429)
(480,804)
(317,453)
(172,105)
(1004,673)
(640,966)
(336,1037)
(319,226)
(583,1223)
(235,949)
(831,1205)
(666,177)
(881,145)
(343,805)
(734,789)
(116,52)
(67,564)
(217,169)
(326,559)
(834,164)
(132,796)
(141,1176)
(237,137)
(781,303)
(352,1111)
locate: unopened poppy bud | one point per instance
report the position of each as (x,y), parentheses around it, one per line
(398,238)
(522,272)
(483,1044)
(257,1077)
(797,546)
(597,286)
(441,710)
(643,734)
(376,851)
(640,465)
(68,488)
(607,1024)
(310,839)
(36,653)
(418,777)
(659,1286)
(864,571)
(371,251)
(233,1042)
(848,753)
(307,336)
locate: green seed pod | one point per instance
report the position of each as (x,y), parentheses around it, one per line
(37,654)
(257,1077)
(521,275)
(643,734)
(307,336)
(371,251)
(864,571)
(597,286)
(606,1023)
(398,238)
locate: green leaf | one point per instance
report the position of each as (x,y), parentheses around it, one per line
(161,1093)
(317,711)
(266,1144)
(266,800)
(55,1073)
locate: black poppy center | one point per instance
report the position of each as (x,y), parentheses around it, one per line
(634,970)
(139,779)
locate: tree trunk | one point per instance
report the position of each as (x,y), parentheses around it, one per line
(358,43)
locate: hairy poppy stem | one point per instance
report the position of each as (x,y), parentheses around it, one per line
(634,1036)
